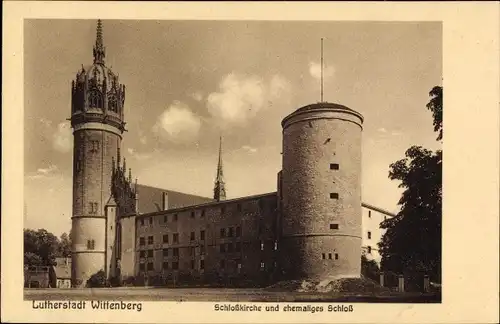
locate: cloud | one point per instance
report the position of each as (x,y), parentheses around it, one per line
(177,123)
(315,70)
(62,138)
(43,172)
(138,156)
(198,96)
(240,98)
(249,149)
(142,138)
(382,130)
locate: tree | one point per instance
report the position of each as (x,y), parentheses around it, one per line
(369,268)
(41,243)
(64,246)
(98,280)
(436,106)
(412,242)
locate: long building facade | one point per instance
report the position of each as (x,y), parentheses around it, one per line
(314,226)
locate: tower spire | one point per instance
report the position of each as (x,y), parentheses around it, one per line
(321,69)
(219,188)
(99,51)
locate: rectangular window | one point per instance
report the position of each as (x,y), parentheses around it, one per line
(192,214)
(176,252)
(142,221)
(261,245)
(165,252)
(176,238)
(202,235)
(238,246)
(175,265)
(369,214)
(230,232)
(369,235)
(262,265)
(329,256)
(142,267)
(191,250)
(90,244)
(175,217)
(238,207)
(323,256)
(336,256)
(150,266)
(334,195)
(222,248)
(202,213)
(151,221)
(142,254)
(275,246)
(202,264)
(192,264)
(142,241)
(230,247)
(222,264)
(334,166)
(165,265)
(150,240)
(165,238)
(93,208)
(369,249)
(165,218)
(192,236)
(222,232)
(334,226)
(238,231)
(202,249)
(94,146)
(150,253)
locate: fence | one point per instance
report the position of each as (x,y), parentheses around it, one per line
(408,282)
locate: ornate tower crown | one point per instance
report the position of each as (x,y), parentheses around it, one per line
(97,95)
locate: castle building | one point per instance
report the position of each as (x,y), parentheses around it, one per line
(314,226)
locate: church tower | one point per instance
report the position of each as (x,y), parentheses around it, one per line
(219,188)
(97,101)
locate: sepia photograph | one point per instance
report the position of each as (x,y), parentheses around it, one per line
(219,160)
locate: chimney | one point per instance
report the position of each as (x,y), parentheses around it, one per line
(164,202)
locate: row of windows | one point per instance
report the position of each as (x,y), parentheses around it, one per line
(229,247)
(230,232)
(175,217)
(166,252)
(96,101)
(330,256)
(175,265)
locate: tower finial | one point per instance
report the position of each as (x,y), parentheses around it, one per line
(321,69)
(219,188)
(99,51)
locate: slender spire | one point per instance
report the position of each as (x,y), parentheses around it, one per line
(99,50)
(321,69)
(219,188)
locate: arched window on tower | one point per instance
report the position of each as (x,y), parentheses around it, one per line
(95,99)
(112,103)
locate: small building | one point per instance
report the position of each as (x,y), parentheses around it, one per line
(62,273)
(37,277)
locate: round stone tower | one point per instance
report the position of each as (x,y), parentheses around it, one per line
(97,101)
(321,193)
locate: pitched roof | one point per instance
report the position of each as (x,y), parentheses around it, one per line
(150,199)
(62,271)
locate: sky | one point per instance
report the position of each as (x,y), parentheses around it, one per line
(189,82)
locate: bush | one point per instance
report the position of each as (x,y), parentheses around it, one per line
(98,280)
